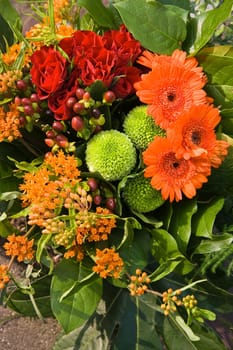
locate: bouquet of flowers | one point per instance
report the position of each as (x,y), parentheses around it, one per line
(116,170)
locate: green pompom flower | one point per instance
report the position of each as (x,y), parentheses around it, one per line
(141,127)
(112,154)
(140,196)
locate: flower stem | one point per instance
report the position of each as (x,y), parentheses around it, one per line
(37,311)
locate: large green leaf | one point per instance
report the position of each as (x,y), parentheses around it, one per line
(166,252)
(72,311)
(158,28)
(180,225)
(203,220)
(119,316)
(202,27)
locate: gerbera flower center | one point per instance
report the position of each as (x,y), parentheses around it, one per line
(196,137)
(173,167)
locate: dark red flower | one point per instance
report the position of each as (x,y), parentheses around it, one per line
(58,102)
(48,72)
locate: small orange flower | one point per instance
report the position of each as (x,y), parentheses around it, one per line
(139,282)
(9,124)
(75,251)
(172,175)
(169,90)
(20,247)
(108,263)
(4,277)
(193,134)
(63,165)
(12,53)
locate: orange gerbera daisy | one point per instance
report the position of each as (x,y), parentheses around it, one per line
(178,58)
(172,175)
(169,90)
(193,133)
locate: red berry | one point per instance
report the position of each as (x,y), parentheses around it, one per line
(86,96)
(34,98)
(21,85)
(110,203)
(97,199)
(93,184)
(50,134)
(78,107)
(49,142)
(18,100)
(70,102)
(62,141)
(109,96)
(58,126)
(79,93)
(28,110)
(77,123)
(26,101)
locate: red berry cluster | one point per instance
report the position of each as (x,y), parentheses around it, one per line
(101,195)
(87,116)
(29,108)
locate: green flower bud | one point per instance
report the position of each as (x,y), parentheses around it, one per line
(112,154)
(140,196)
(141,127)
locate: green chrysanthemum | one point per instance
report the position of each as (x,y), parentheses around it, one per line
(140,196)
(112,154)
(141,127)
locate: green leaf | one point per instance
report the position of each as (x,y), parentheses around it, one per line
(161,28)
(202,27)
(9,19)
(102,15)
(203,220)
(220,181)
(41,244)
(176,338)
(186,329)
(180,226)
(136,254)
(20,302)
(166,252)
(217,243)
(75,309)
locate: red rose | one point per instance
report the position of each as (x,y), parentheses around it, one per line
(48,71)
(57,102)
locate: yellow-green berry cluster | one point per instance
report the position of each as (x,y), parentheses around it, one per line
(139,283)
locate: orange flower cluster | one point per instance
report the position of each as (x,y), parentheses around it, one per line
(139,282)
(4,277)
(173,90)
(20,247)
(94,226)
(108,263)
(57,186)
(9,123)
(12,53)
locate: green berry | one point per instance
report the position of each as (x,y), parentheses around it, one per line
(141,127)
(112,154)
(140,196)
